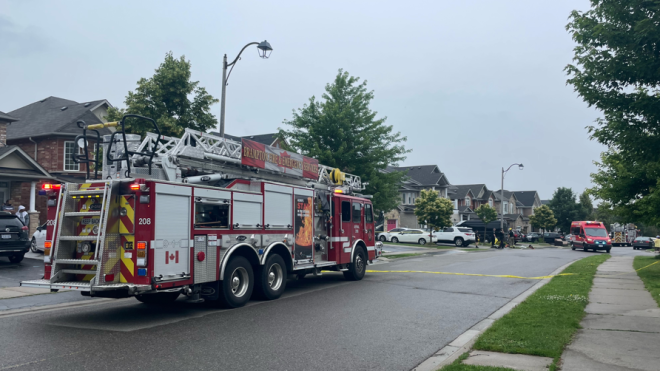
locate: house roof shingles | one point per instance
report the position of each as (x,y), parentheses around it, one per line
(6,118)
(424,175)
(47,117)
(526,197)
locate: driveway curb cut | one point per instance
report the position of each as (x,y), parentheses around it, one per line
(464,342)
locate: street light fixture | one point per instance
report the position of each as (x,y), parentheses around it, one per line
(264,50)
(520,167)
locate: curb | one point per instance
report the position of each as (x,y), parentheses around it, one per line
(464,342)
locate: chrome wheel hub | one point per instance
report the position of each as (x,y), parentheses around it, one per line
(239,281)
(275,276)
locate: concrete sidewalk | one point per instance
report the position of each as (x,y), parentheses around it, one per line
(622,327)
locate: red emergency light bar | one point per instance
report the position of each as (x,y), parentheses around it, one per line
(51,187)
(135,187)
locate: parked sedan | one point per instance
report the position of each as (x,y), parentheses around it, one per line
(642,243)
(549,237)
(387,236)
(38,239)
(533,237)
(410,236)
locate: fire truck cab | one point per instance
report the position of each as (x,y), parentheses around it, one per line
(241,227)
(588,235)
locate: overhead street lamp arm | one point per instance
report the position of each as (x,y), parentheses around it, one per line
(520,166)
(241,52)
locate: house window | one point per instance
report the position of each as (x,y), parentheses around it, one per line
(467,201)
(404,199)
(69,149)
(490,202)
(455,204)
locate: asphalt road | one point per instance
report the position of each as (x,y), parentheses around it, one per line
(387,321)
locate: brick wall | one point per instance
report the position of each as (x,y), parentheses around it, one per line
(50,152)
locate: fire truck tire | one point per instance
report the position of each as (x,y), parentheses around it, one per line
(270,280)
(159,298)
(237,284)
(358,268)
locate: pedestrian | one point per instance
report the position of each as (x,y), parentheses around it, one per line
(476,240)
(492,239)
(7,206)
(500,236)
(22,214)
(512,239)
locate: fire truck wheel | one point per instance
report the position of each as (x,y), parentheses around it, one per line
(270,281)
(358,268)
(572,246)
(238,283)
(158,299)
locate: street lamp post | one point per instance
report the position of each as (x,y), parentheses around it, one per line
(264,52)
(520,166)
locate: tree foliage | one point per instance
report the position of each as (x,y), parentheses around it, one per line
(617,70)
(432,210)
(565,208)
(342,131)
(587,206)
(543,218)
(171,99)
(487,214)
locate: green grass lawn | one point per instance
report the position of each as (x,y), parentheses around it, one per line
(650,275)
(431,245)
(397,256)
(545,322)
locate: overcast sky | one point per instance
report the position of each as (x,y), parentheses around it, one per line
(474,85)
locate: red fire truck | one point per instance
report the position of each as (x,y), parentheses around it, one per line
(204,216)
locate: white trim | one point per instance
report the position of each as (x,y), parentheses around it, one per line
(65,156)
(338,239)
(371,248)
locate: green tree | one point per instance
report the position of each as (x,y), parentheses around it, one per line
(341,131)
(433,211)
(605,214)
(615,69)
(565,208)
(543,218)
(487,214)
(587,206)
(170,98)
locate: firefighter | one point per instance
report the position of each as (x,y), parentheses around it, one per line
(512,239)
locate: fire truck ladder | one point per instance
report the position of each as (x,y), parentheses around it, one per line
(208,153)
(65,267)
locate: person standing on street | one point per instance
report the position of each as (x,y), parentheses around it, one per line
(492,239)
(512,239)
(500,236)
(7,206)
(22,214)
(476,240)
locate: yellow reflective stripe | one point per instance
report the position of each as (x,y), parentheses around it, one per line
(130,214)
(128,263)
(88,256)
(476,275)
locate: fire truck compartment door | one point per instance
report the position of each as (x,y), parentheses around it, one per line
(172,232)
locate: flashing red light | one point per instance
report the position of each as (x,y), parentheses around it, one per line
(141,245)
(48,244)
(47,187)
(135,187)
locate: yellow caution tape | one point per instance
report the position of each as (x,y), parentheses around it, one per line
(477,275)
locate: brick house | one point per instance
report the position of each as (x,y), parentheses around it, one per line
(417,178)
(16,170)
(467,198)
(45,130)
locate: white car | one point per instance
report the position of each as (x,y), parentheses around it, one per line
(387,236)
(38,239)
(459,236)
(411,236)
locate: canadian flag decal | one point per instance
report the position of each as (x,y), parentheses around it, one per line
(172,256)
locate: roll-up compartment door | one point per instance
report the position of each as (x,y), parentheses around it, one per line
(278,208)
(247,211)
(171,243)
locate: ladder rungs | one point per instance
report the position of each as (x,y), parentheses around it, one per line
(91,192)
(78,238)
(82,213)
(77,261)
(78,271)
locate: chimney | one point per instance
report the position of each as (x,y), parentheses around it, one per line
(3,133)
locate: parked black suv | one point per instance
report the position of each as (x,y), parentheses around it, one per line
(549,237)
(14,241)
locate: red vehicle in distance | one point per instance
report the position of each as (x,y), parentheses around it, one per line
(590,235)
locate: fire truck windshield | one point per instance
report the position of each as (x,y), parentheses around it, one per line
(595,232)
